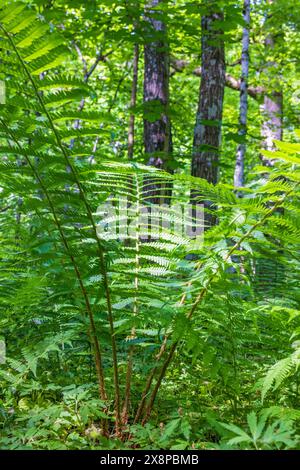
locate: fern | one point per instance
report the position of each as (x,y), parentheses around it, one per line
(136,298)
(279,372)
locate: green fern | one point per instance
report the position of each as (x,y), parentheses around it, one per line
(280,371)
(135,299)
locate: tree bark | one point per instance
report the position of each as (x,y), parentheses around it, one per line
(157,127)
(241,150)
(207,133)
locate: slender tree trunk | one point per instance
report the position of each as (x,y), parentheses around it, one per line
(241,150)
(133,100)
(272,108)
(272,111)
(157,127)
(269,270)
(272,126)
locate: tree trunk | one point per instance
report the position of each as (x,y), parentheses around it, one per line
(268,271)
(272,125)
(241,150)
(207,133)
(157,128)
(272,107)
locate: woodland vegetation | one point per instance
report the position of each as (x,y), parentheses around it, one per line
(125,340)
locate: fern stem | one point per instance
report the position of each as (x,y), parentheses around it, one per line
(154,370)
(126,404)
(141,406)
(97,350)
(201,296)
(158,382)
(125,409)
(90,216)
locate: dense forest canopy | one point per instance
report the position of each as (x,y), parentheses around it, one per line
(149,224)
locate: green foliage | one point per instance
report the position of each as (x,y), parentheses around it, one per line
(276,435)
(280,371)
(229,301)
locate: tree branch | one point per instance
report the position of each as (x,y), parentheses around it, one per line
(179,65)
(99,58)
